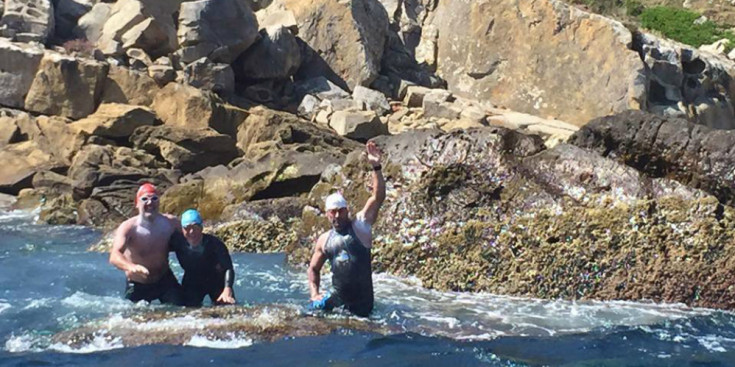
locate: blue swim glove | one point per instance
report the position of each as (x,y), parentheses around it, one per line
(320,303)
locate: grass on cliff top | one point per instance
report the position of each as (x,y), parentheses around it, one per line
(681,25)
(672,22)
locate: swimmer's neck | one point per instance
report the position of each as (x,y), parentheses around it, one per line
(147,218)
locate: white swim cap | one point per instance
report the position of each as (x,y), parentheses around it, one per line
(335,201)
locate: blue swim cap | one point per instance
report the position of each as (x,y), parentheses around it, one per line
(191,216)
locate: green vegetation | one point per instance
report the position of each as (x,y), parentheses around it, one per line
(681,25)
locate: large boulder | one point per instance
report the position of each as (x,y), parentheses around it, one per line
(123,85)
(205,74)
(66,86)
(189,107)
(577,65)
(67,14)
(684,82)
(18,66)
(277,45)
(115,121)
(31,20)
(52,134)
(187,150)
(358,125)
(21,162)
(144,24)
(89,26)
(694,155)
(218,29)
(344,40)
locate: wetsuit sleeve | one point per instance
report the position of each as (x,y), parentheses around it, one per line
(176,242)
(225,261)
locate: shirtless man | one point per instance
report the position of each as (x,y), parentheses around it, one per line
(347,247)
(140,249)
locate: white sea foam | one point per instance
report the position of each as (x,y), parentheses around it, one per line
(81,301)
(233,342)
(99,343)
(24,343)
(4,306)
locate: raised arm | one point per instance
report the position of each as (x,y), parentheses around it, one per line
(315,267)
(372,206)
(117,253)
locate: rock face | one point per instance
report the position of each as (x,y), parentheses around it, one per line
(344,40)
(22,162)
(581,66)
(66,86)
(186,150)
(277,45)
(18,66)
(492,210)
(694,155)
(683,82)
(123,85)
(115,121)
(218,29)
(31,20)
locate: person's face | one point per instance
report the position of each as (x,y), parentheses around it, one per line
(338,218)
(148,204)
(193,233)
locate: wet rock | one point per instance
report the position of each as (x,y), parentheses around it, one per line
(694,155)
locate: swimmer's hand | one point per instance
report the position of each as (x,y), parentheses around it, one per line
(226,297)
(138,270)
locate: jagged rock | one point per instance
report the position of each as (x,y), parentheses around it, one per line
(685,82)
(414,95)
(358,125)
(277,45)
(123,85)
(141,24)
(205,74)
(162,74)
(31,20)
(66,86)
(9,131)
(438,103)
(186,106)
(115,121)
(344,40)
(476,57)
(275,17)
(18,66)
(185,149)
(320,87)
(308,106)
(60,210)
(67,14)
(89,26)
(218,29)
(51,180)
(373,100)
(674,148)
(21,162)
(98,167)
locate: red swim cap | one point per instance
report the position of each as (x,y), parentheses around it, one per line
(145,189)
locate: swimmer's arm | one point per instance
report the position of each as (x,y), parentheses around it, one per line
(315,266)
(225,261)
(117,257)
(375,201)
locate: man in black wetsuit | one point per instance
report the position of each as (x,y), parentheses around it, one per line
(206,262)
(347,247)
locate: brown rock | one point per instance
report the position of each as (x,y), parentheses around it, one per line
(114,120)
(123,85)
(21,162)
(66,86)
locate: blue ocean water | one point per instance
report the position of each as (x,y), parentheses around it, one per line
(49,283)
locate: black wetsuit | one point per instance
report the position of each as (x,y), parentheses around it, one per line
(351,272)
(167,290)
(207,268)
